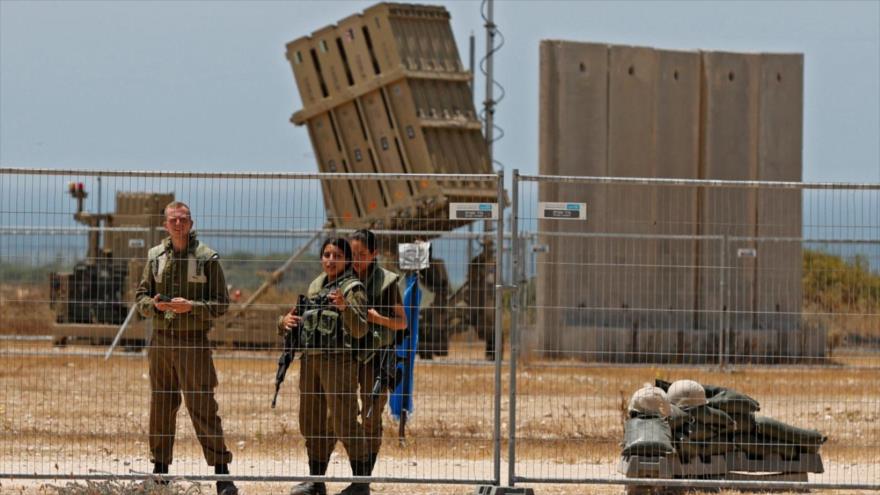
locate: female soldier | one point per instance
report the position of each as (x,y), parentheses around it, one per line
(386,317)
(328,372)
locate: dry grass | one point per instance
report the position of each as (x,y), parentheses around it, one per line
(82,411)
(838,401)
(24,309)
(844,326)
(116,488)
(63,412)
(126,488)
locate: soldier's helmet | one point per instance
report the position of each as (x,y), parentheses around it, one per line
(686,393)
(650,400)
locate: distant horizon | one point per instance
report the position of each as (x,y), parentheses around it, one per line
(284,206)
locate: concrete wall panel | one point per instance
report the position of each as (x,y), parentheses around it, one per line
(658,345)
(640,112)
(603,344)
(780,145)
(631,283)
(755,346)
(573,141)
(677,148)
(699,346)
(729,152)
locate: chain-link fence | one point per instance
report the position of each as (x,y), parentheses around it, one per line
(101,377)
(765,290)
(770,290)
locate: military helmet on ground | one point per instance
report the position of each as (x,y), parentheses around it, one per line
(650,400)
(686,393)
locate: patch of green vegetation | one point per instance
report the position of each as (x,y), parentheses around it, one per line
(834,284)
(243,270)
(15,273)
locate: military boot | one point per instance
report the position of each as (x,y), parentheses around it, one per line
(225,487)
(359,468)
(316,468)
(161,472)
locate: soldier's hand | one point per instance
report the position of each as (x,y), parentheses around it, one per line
(374,316)
(161,305)
(291,321)
(338,299)
(180,305)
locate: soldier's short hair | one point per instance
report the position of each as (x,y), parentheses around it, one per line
(366,237)
(175,205)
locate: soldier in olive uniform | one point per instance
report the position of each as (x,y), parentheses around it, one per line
(328,407)
(182,290)
(386,317)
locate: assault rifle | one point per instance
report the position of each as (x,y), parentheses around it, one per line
(291,344)
(387,375)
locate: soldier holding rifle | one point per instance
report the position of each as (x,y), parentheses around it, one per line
(328,409)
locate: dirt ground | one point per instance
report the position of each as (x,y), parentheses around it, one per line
(66,410)
(80,488)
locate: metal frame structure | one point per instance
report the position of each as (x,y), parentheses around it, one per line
(518,242)
(509,296)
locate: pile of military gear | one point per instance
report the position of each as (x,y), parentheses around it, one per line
(648,430)
(685,429)
(724,420)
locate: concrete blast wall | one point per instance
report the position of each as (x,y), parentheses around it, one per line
(641,112)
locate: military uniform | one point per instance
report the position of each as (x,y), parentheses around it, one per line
(328,406)
(383,294)
(179,353)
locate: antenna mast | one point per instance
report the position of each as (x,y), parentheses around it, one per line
(489,102)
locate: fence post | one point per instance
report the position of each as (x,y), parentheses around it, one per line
(499,343)
(516,276)
(724,304)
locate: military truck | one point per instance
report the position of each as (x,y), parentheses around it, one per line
(90,301)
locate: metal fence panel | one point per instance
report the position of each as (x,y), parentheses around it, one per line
(780,305)
(70,408)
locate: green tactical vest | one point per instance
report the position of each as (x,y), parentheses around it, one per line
(378,281)
(194,286)
(160,255)
(322,327)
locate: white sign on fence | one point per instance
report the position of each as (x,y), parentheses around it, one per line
(414,256)
(746,253)
(562,211)
(470,211)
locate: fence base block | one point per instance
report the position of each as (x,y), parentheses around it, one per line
(671,466)
(696,467)
(646,466)
(645,490)
(795,477)
(805,463)
(502,490)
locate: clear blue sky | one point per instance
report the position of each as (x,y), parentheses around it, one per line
(204,85)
